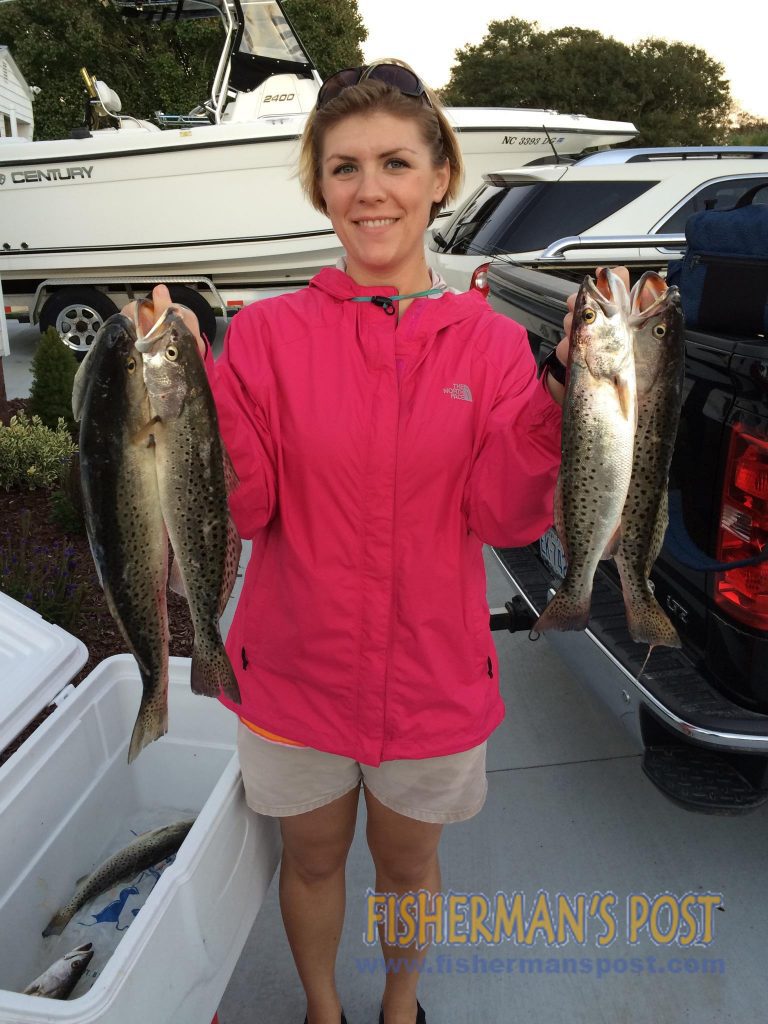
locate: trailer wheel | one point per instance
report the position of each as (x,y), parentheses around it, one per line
(77,314)
(194,300)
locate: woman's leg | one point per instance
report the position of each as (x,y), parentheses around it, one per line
(404,852)
(312,897)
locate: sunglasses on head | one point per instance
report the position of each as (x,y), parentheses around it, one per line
(400,78)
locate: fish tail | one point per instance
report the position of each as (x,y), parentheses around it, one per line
(565,611)
(151,724)
(57,924)
(648,623)
(212,671)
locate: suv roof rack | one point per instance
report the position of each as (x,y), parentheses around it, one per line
(638,156)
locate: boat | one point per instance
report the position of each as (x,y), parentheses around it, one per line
(223,175)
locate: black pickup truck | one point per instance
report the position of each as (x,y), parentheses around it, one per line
(701,713)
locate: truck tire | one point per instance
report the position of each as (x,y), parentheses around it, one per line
(77,313)
(194,300)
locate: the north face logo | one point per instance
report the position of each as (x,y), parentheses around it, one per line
(461,391)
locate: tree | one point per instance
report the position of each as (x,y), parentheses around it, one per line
(747,130)
(682,98)
(152,67)
(515,65)
(674,93)
(332,32)
(53,373)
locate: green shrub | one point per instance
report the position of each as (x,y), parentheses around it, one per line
(749,138)
(67,502)
(53,373)
(41,576)
(65,515)
(31,455)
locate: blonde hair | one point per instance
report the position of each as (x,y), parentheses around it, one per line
(372,96)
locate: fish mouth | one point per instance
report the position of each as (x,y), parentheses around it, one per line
(609,293)
(145,343)
(648,297)
(86,948)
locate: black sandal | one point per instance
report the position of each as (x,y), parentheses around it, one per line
(421,1017)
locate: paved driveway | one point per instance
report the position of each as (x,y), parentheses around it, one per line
(568,811)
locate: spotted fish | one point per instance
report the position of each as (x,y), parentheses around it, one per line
(194,477)
(599,419)
(147,850)
(61,977)
(657,323)
(122,510)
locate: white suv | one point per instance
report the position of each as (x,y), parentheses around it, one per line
(515,215)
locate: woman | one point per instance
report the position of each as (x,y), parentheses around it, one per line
(382,429)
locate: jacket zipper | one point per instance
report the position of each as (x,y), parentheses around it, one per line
(706,259)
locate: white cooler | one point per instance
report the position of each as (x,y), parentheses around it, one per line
(66,796)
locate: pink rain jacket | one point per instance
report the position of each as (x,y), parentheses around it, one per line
(362,628)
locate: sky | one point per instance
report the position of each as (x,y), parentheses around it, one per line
(426,33)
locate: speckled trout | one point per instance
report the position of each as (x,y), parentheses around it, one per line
(148,849)
(194,477)
(599,419)
(657,324)
(61,977)
(122,511)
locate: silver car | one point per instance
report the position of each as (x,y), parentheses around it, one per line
(516,215)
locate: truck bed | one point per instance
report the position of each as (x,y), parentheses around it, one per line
(701,712)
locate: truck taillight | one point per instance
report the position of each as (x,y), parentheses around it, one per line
(480,279)
(743,593)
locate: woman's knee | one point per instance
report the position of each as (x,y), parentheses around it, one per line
(405,869)
(404,850)
(316,844)
(316,862)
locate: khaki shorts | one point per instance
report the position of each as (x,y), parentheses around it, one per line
(281,780)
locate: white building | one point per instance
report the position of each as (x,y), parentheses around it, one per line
(16,118)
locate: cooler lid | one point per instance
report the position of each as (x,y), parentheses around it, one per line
(37,660)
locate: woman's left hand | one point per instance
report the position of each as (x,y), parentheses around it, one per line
(150,312)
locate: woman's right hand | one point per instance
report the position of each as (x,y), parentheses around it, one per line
(151,311)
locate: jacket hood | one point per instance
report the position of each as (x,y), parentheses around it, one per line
(448,309)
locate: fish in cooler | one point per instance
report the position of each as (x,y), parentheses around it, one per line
(58,981)
(148,849)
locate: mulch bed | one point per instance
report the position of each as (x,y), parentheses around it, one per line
(10,408)
(95,626)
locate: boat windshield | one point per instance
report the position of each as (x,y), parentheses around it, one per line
(266,45)
(266,33)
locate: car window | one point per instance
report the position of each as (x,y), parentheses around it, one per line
(526,217)
(717,195)
(468,219)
